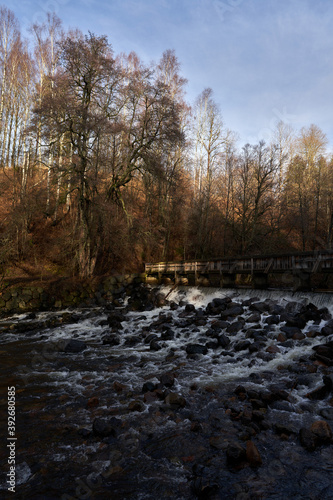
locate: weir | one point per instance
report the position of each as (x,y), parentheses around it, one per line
(297,269)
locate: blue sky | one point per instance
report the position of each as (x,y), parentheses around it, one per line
(265,60)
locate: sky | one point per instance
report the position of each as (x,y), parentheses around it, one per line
(265,60)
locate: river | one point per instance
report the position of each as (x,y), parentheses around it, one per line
(211,394)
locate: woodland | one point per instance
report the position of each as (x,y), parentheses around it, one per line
(104,165)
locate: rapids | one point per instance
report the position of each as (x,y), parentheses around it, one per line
(138,414)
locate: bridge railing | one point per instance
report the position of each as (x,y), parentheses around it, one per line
(306,261)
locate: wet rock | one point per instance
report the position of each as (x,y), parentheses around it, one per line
(252,454)
(272,320)
(290,331)
(190,308)
(196,349)
(136,406)
(111,340)
(260,307)
(273,349)
(219,324)
(242,345)
(168,334)
(223,340)
(119,387)
(254,318)
(133,340)
(327,413)
(322,431)
(307,439)
(93,402)
(232,311)
(175,400)
(235,327)
(293,320)
(150,397)
(167,379)
(236,454)
(105,428)
(148,386)
(155,346)
(72,346)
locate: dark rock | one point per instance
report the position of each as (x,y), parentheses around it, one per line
(219,324)
(189,308)
(154,346)
(242,345)
(167,379)
(252,454)
(293,320)
(111,340)
(235,310)
(223,340)
(322,431)
(318,394)
(307,439)
(212,345)
(260,307)
(235,327)
(175,400)
(136,406)
(236,454)
(272,320)
(290,331)
(196,349)
(133,340)
(72,346)
(148,386)
(254,318)
(104,428)
(168,334)
(327,413)
(150,337)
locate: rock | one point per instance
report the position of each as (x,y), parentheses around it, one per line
(133,340)
(252,454)
(189,308)
(118,387)
(148,387)
(235,310)
(72,346)
(273,349)
(254,318)
(235,327)
(236,454)
(290,331)
(223,340)
(167,379)
(196,349)
(136,406)
(307,439)
(272,320)
(104,428)
(322,431)
(242,345)
(93,402)
(154,346)
(111,340)
(175,400)
(150,397)
(327,413)
(260,307)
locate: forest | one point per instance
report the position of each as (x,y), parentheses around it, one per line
(105,165)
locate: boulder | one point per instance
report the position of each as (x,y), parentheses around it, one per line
(196,349)
(175,400)
(72,346)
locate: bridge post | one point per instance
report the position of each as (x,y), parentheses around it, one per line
(260,280)
(228,280)
(302,281)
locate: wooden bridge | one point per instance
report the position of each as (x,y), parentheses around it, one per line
(295,269)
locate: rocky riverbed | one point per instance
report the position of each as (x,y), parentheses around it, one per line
(178,394)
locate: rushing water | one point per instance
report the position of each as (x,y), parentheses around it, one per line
(155,449)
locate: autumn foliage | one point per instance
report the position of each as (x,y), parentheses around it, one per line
(104,165)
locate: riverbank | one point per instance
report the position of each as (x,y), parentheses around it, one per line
(18,296)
